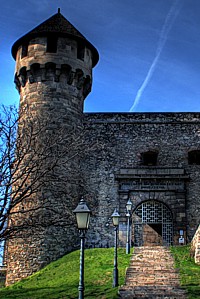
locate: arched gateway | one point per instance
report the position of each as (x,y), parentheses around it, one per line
(152,224)
(158,196)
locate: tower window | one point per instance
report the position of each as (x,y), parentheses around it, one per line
(24,50)
(35,67)
(34,73)
(52,44)
(50,70)
(87,86)
(149,158)
(194,157)
(65,75)
(23,76)
(80,51)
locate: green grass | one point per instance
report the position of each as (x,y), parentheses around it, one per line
(60,278)
(189,271)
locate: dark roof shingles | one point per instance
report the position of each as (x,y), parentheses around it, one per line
(56,24)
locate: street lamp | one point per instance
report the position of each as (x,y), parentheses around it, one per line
(128,210)
(115,218)
(82,213)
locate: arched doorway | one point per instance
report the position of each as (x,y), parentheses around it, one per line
(152,224)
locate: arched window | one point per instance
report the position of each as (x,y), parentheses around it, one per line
(149,158)
(34,73)
(23,76)
(194,157)
(65,73)
(50,70)
(79,78)
(35,67)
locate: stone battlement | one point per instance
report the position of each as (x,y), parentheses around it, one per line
(143,117)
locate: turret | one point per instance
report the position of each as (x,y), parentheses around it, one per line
(54,55)
(53,75)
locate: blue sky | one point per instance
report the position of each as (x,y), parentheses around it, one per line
(149,50)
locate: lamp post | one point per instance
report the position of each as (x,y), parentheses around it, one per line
(128,210)
(115,218)
(82,213)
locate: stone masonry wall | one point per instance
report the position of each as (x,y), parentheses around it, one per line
(52,89)
(121,138)
(195,246)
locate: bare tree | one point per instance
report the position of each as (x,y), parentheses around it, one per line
(39,161)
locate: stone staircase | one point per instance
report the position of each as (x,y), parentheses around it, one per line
(151,275)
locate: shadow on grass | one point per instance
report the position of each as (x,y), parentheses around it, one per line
(43,293)
(193,291)
(61,292)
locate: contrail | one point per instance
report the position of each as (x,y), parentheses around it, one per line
(168,23)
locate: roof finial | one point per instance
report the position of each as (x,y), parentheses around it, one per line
(59,10)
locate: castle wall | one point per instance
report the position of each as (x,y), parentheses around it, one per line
(122,137)
(112,171)
(99,156)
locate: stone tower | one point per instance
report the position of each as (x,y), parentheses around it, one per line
(53,75)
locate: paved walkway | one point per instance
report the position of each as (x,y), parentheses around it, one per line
(152,275)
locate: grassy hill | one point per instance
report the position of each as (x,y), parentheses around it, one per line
(189,271)
(60,278)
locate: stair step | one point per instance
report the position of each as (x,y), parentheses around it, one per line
(164,292)
(151,275)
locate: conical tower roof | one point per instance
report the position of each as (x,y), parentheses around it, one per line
(59,25)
